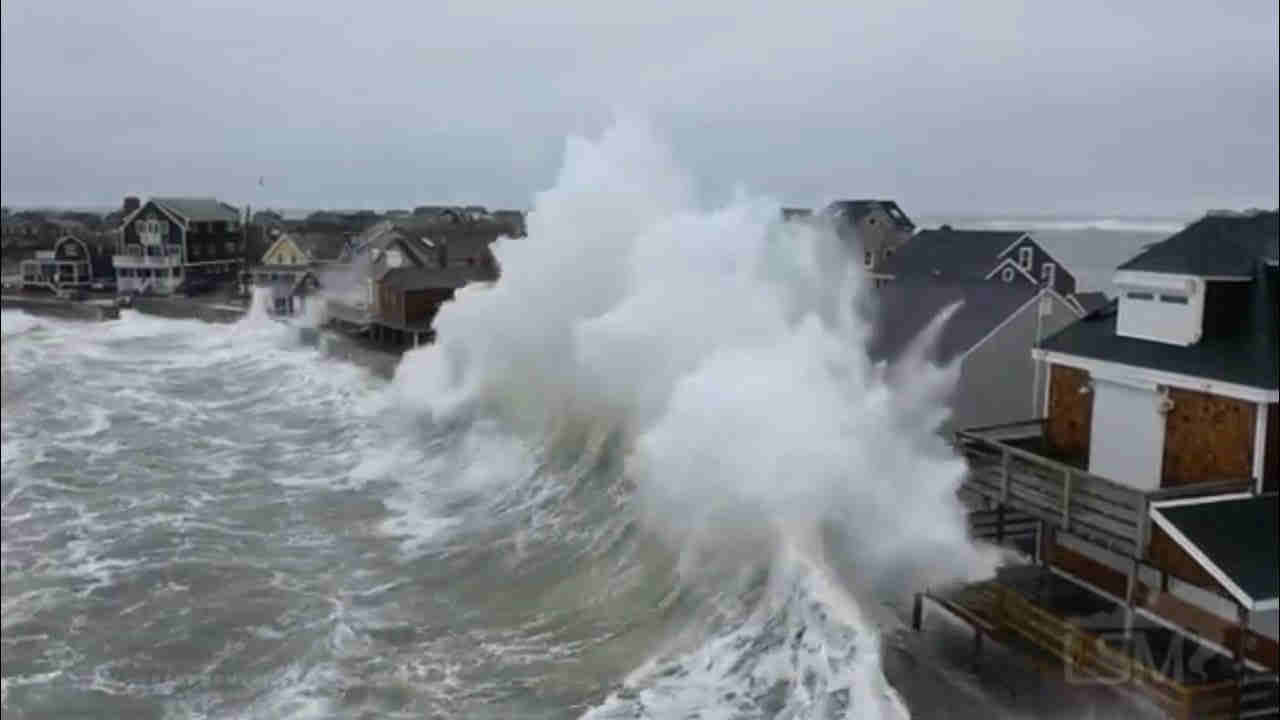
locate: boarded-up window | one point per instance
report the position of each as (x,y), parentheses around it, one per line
(1070,411)
(1207,438)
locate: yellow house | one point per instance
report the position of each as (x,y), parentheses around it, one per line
(288,266)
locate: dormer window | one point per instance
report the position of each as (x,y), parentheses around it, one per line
(1160,307)
(1047,272)
(869,259)
(1007,275)
(1025,257)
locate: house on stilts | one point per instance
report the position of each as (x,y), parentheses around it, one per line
(1144,496)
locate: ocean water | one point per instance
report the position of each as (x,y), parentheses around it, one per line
(651,474)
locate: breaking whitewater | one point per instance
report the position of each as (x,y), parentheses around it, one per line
(651,473)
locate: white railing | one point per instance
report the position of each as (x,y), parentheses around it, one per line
(147,260)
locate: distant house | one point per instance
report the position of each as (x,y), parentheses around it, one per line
(173,244)
(875,228)
(72,263)
(792,213)
(383,247)
(1145,483)
(991,335)
(1009,257)
(408,299)
(402,270)
(294,265)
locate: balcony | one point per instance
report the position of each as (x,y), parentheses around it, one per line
(1014,465)
(146,260)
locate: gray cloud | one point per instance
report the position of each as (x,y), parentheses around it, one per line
(993,107)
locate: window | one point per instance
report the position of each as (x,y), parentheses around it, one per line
(1047,272)
(1175,299)
(1140,296)
(1024,257)
(177,272)
(869,260)
(1007,275)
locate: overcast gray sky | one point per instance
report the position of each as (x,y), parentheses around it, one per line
(983,107)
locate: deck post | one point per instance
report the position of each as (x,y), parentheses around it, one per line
(1066,499)
(1000,524)
(1004,475)
(1130,593)
(1242,616)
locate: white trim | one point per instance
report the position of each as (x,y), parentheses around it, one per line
(1118,371)
(1259,445)
(1203,500)
(1208,565)
(1014,244)
(1010,262)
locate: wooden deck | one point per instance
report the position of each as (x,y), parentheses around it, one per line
(1039,618)
(1059,492)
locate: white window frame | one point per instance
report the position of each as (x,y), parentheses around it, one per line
(1007,275)
(1048,272)
(1025,257)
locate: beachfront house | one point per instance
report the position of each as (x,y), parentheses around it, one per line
(408,298)
(294,267)
(402,270)
(1008,257)
(178,244)
(873,228)
(71,263)
(1146,488)
(989,334)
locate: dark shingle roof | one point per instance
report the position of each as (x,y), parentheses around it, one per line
(198,209)
(320,246)
(1221,246)
(1091,301)
(1238,537)
(949,253)
(903,309)
(1247,355)
(855,210)
(414,278)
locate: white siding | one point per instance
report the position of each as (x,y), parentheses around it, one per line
(1163,308)
(1127,438)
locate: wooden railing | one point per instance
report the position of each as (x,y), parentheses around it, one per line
(1066,497)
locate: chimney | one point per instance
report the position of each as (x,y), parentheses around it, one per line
(131,203)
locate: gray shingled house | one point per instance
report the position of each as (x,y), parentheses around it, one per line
(990,334)
(874,228)
(1008,257)
(178,244)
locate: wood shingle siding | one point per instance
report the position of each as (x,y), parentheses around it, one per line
(1207,437)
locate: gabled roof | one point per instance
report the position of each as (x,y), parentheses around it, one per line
(417,278)
(322,247)
(855,210)
(946,252)
(1245,356)
(1233,538)
(198,209)
(905,308)
(1214,246)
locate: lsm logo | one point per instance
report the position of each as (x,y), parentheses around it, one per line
(1113,659)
